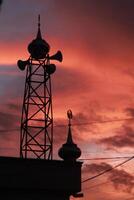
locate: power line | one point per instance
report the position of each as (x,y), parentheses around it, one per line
(97,185)
(97,122)
(110,169)
(78,124)
(102,183)
(106,158)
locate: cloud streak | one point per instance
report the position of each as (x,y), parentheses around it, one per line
(123,139)
(120,179)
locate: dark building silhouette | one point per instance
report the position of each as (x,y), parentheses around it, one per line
(38,179)
(27,178)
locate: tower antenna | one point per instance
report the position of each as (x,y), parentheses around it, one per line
(36,134)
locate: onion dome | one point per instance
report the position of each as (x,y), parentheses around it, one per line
(69,151)
(38,48)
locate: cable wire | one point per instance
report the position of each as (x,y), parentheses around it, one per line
(79,124)
(108,170)
(106,158)
(97,122)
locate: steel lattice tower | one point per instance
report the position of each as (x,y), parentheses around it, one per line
(36,137)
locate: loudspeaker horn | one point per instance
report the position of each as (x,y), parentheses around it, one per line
(22,64)
(58,56)
(50,69)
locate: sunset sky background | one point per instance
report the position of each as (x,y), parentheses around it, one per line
(95,80)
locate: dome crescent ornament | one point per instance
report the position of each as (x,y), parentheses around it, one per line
(69,114)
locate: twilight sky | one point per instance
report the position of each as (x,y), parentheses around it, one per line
(95,80)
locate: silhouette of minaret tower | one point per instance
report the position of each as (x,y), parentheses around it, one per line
(36,138)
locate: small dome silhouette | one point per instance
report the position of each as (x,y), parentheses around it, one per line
(69,151)
(38,48)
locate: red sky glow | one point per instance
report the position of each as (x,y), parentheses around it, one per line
(95,80)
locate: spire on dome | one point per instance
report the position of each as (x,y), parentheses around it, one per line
(69,151)
(39,31)
(69,137)
(38,48)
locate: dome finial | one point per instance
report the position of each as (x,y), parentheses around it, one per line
(69,137)
(69,151)
(39,32)
(39,21)
(38,48)
(70,116)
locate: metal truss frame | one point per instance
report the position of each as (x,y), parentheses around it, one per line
(36,138)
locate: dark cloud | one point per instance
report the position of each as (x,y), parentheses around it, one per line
(130,111)
(8,120)
(68,80)
(84,121)
(9,137)
(14,107)
(120,178)
(9,142)
(9,70)
(96,168)
(95,18)
(12,84)
(125,138)
(118,12)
